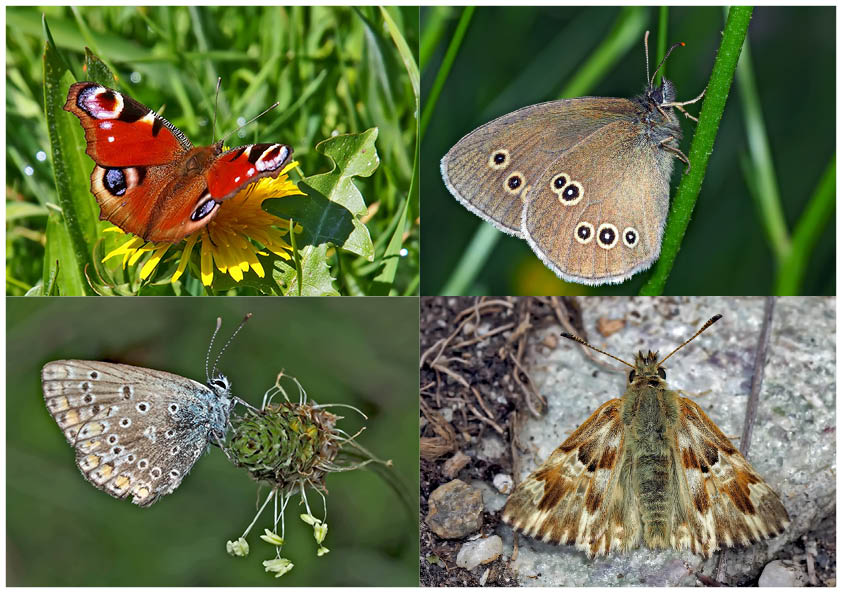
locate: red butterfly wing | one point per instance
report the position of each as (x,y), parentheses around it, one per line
(122,132)
(240,166)
(149,180)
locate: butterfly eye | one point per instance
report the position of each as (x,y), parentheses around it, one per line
(631,376)
(662,373)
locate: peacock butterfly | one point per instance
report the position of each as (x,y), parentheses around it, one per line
(149,179)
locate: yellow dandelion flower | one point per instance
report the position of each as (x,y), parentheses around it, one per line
(228,241)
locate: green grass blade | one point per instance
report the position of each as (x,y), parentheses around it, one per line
(404,52)
(815,218)
(764,184)
(475,257)
(435,27)
(625,34)
(444,70)
(701,148)
(391,258)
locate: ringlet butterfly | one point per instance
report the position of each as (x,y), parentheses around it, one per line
(584,181)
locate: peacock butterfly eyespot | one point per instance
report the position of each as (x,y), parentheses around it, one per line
(149,179)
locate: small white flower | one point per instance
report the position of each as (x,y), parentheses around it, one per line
(309,519)
(238,548)
(322,551)
(319,532)
(273,538)
(279,565)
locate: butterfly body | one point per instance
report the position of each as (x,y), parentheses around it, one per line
(648,469)
(136,431)
(149,179)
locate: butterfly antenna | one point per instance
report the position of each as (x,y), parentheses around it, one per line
(586,344)
(210,347)
(268,109)
(664,59)
(228,342)
(216,106)
(646,52)
(699,332)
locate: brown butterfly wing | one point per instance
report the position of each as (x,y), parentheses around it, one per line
(583,493)
(597,213)
(479,169)
(731,504)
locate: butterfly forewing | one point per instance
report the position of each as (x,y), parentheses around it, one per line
(490,170)
(731,504)
(136,432)
(582,495)
(122,132)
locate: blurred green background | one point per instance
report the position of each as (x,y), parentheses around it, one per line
(334,70)
(516,56)
(62,531)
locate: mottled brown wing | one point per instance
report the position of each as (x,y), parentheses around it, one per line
(596,214)
(582,495)
(729,503)
(490,169)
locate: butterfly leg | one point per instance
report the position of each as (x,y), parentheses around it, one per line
(238,401)
(667,147)
(679,105)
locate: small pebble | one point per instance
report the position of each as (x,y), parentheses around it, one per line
(776,574)
(503,483)
(455,510)
(479,551)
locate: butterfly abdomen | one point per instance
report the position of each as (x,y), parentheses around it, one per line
(649,414)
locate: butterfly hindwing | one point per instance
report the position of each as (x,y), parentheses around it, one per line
(594,219)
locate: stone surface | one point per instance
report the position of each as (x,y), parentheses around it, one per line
(503,483)
(778,574)
(794,439)
(455,510)
(492,500)
(479,551)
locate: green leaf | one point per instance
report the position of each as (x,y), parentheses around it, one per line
(97,71)
(22,210)
(71,167)
(315,273)
(62,273)
(331,211)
